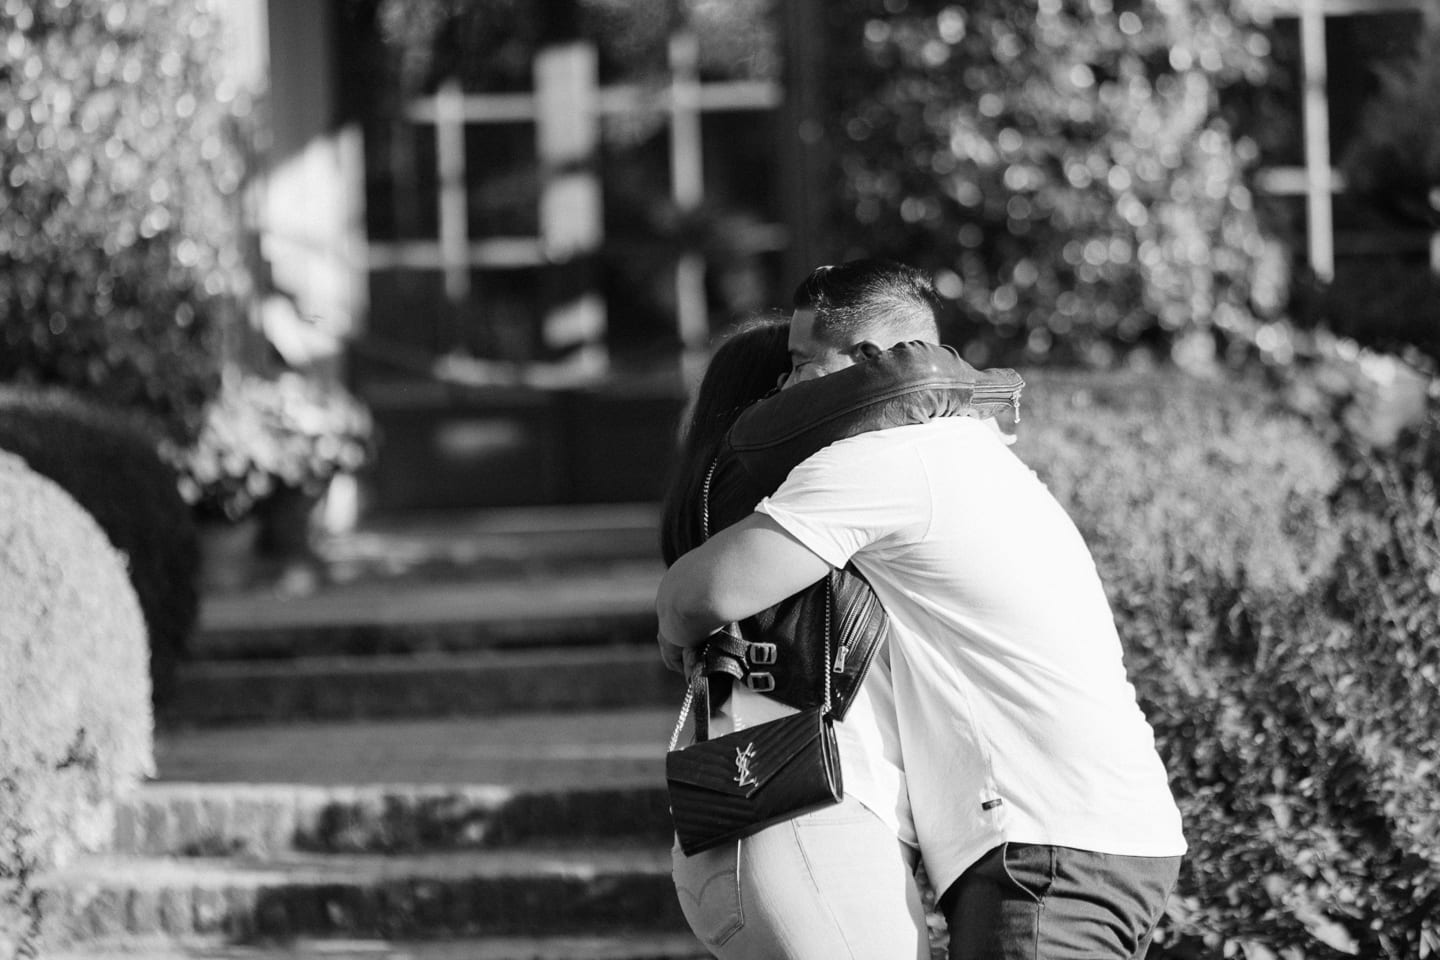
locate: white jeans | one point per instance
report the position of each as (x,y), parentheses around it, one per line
(831,884)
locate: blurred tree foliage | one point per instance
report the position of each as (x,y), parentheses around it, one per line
(117,170)
(1066,168)
(489,46)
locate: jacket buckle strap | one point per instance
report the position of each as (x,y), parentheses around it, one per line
(760,681)
(762,654)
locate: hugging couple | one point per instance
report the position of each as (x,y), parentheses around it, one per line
(986,725)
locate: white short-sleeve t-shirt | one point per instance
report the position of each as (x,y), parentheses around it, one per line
(1014,715)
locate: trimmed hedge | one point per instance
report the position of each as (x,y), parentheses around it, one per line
(1281,610)
(1387,592)
(113,468)
(75,716)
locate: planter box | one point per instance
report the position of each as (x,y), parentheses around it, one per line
(619,445)
(467,450)
(476,449)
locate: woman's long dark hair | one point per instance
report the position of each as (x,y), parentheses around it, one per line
(745,367)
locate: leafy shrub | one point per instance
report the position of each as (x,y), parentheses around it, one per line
(1160,470)
(75,718)
(1386,589)
(1279,608)
(111,466)
(117,239)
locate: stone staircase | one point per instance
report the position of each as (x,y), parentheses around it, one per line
(442,739)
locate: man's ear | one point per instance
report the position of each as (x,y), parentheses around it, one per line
(866,350)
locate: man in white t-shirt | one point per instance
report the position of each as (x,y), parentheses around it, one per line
(1042,808)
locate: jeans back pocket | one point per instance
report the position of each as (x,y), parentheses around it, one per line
(708,886)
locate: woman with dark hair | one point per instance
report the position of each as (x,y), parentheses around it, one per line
(748,364)
(837,882)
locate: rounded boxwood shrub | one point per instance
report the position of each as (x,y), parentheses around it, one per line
(75,715)
(112,466)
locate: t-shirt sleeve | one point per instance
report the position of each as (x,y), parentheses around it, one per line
(860,494)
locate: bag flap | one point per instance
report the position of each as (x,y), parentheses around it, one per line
(741,763)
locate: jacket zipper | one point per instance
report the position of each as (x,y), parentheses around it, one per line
(995,394)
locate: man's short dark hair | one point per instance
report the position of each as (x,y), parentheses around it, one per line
(858,296)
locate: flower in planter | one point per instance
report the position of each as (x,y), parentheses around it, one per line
(260,435)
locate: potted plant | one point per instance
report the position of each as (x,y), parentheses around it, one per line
(266,451)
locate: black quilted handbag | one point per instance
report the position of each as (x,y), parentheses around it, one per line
(732,786)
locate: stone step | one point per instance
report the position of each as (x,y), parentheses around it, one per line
(603,603)
(256,820)
(446,543)
(595,749)
(420,685)
(631,946)
(516,892)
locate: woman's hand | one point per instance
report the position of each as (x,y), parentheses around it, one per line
(676,658)
(681,660)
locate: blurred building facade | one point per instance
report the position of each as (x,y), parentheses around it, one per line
(515,265)
(1326,54)
(515,233)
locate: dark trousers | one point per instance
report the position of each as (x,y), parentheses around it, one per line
(1029,902)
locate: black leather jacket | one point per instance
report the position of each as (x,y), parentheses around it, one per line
(780,651)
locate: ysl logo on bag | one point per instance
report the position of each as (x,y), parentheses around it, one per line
(743,776)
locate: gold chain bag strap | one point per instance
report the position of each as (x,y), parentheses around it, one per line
(729,787)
